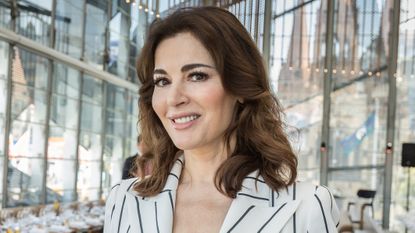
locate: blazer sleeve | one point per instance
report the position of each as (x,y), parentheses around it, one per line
(325,215)
(110,207)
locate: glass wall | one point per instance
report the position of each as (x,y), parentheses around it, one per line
(69,27)
(297,54)
(61,132)
(62,140)
(95,26)
(34,20)
(359,97)
(27,134)
(90,145)
(405,114)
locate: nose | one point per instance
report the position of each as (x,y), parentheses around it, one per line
(177,95)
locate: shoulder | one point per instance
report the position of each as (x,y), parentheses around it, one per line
(116,201)
(317,205)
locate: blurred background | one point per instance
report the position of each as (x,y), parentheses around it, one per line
(344,70)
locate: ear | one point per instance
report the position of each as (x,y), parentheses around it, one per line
(240,100)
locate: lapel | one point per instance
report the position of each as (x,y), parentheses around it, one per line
(258,209)
(255,209)
(155,214)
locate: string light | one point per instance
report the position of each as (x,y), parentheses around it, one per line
(325,70)
(151,12)
(140,7)
(334,71)
(158,15)
(343,72)
(352,72)
(378,74)
(398,79)
(317,70)
(290,68)
(146,10)
(369,73)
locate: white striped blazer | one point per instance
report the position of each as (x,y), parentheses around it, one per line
(302,208)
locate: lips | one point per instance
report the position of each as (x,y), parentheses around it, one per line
(183,121)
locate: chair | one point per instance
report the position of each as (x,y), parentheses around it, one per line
(367,196)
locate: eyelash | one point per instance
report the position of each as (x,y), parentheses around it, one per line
(200,74)
(157,80)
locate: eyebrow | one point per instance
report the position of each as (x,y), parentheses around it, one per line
(184,68)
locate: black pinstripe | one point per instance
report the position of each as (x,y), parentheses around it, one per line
(331,198)
(269,220)
(254,178)
(242,217)
(112,211)
(171,202)
(122,208)
(322,211)
(294,196)
(129,226)
(157,219)
(172,174)
(139,214)
(260,198)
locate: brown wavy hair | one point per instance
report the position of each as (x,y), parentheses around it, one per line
(261,143)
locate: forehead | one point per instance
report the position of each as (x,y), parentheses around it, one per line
(182,48)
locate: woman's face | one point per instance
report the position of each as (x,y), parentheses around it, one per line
(188,95)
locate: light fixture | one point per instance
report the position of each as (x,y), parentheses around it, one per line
(325,70)
(158,15)
(140,7)
(317,70)
(369,73)
(352,72)
(334,71)
(344,71)
(146,10)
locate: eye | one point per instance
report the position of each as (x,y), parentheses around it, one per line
(161,81)
(198,76)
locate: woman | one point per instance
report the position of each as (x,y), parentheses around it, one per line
(222,162)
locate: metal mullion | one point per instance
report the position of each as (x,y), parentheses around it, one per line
(48,106)
(125,120)
(266,45)
(7,126)
(327,82)
(46,143)
(363,34)
(78,133)
(107,36)
(256,18)
(13,15)
(390,130)
(81,86)
(103,133)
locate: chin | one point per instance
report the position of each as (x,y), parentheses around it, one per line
(183,145)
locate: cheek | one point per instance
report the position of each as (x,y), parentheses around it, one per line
(157,104)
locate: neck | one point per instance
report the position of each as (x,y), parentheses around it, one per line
(200,166)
